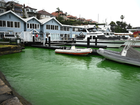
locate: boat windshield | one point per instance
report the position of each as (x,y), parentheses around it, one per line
(109,33)
(92,29)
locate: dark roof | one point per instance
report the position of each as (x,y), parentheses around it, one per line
(56,14)
(43,12)
(30,7)
(14,3)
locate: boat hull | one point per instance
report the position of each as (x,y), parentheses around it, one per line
(136,44)
(115,56)
(107,43)
(74,52)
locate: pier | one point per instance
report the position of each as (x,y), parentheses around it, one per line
(61,44)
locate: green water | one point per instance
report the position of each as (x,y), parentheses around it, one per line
(45,78)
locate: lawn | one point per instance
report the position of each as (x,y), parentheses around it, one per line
(1,46)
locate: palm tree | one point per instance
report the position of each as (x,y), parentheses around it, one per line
(122,17)
(58,10)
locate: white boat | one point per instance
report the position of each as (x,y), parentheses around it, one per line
(74,51)
(136,42)
(104,37)
(128,55)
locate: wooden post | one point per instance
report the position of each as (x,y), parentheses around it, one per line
(33,39)
(46,41)
(95,41)
(49,41)
(88,42)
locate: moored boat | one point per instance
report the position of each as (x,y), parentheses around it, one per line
(104,37)
(74,51)
(128,55)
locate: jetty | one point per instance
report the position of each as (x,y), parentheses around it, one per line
(61,44)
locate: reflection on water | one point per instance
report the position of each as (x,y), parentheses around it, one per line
(46,78)
(127,71)
(84,60)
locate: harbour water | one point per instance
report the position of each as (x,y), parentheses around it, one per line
(45,78)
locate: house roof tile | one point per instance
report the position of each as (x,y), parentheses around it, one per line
(43,12)
(56,14)
(30,7)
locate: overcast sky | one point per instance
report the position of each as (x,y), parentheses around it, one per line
(97,10)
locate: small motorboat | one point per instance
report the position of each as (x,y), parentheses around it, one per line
(74,51)
(128,55)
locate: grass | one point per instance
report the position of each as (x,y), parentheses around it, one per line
(2,46)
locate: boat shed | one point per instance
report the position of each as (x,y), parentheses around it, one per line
(11,24)
(51,26)
(32,28)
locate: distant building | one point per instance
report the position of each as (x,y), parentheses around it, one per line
(60,14)
(70,17)
(12,24)
(2,6)
(82,19)
(44,14)
(30,12)
(16,7)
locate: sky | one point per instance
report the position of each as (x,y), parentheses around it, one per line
(97,10)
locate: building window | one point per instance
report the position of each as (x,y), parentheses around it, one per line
(75,29)
(28,25)
(9,24)
(1,10)
(61,28)
(17,24)
(33,26)
(47,26)
(68,28)
(52,27)
(38,26)
(56,27)
(65,28)
(2,23)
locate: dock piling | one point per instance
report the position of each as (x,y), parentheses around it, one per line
(88,42)
(49,41)
(46,41)
(33,39)
(95,41)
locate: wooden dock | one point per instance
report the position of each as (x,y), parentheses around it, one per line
(94,51)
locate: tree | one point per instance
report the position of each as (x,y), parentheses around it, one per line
(58,10)
(122,17)
(113,26)
(129,26)
(120,27)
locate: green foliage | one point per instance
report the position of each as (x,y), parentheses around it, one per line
(122,17)
(71,22)
(120,27)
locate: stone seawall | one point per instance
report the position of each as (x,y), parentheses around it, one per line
(10,50)
(8,96)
